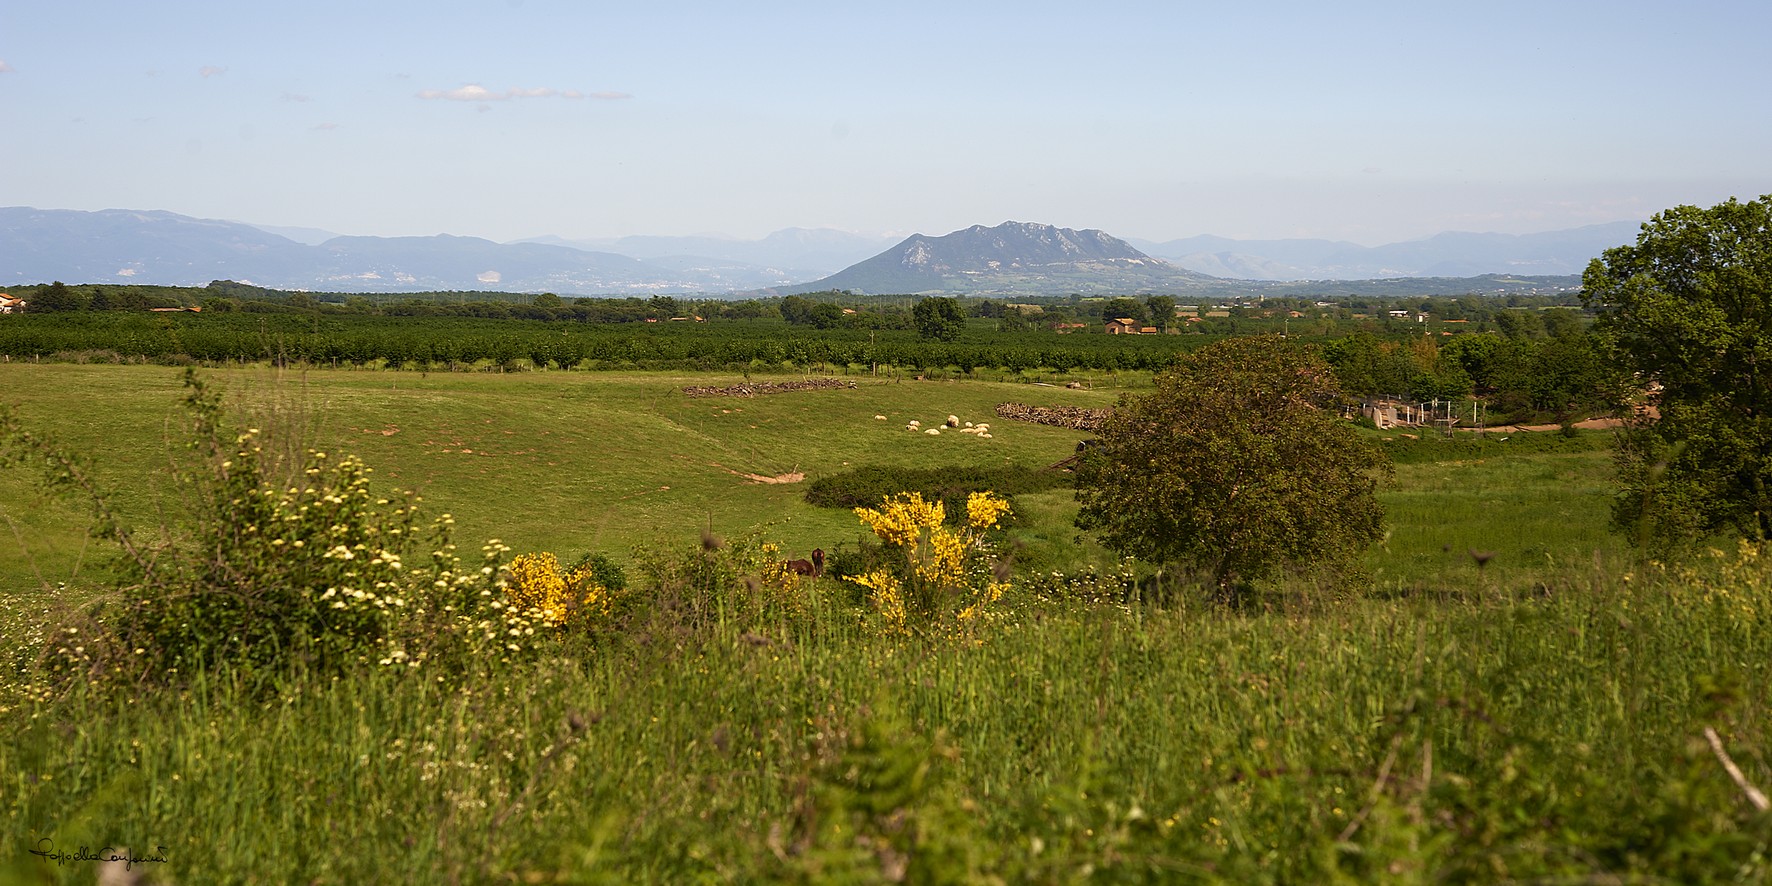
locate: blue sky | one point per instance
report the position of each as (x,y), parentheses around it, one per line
(1364,121)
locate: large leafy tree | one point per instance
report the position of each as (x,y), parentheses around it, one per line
(1238,464)
(1162,308)
(939,318)
(55,298)
(1689,309)
(1124,306)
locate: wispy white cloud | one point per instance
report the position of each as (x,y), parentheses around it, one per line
(296,97)
(325,127)
(6,68)
(209,71)
(474,92)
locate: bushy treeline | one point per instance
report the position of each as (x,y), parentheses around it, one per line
(950,485)
(1560,371)
(824,310)
(1554,372)
(454,342)
(1526,357)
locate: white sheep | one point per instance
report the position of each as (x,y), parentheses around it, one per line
(953,421)
(879,418)
(933,432)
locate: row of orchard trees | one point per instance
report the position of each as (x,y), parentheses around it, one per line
(399,342)
(1560,376)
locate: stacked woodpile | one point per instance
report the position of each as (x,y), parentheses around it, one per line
(1074,417)
(752,389)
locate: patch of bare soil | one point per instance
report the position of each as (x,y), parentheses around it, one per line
(1592,424)
(794,476)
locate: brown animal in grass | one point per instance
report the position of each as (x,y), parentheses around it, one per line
(814,568)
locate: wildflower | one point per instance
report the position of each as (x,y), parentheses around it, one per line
(938,559)
(983,510)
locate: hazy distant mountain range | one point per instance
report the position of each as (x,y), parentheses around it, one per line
(1442,255)
(125,246)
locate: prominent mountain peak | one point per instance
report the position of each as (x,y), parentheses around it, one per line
(1015,244)
(1011,257)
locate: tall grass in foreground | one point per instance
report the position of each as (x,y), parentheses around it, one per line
(1524,738)
(1539,715)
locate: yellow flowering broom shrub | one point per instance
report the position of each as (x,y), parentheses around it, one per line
(541,589)
(934,570)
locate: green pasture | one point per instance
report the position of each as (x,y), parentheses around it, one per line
(561,461)
(573,462)
(1537,719)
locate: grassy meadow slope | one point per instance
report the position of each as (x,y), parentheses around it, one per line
(573,462)
(568,462)
(1540,719)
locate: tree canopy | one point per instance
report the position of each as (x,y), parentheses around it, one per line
(56,298)
(1237,465)
(1688,308)
(939,318)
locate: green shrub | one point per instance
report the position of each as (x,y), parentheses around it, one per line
(607,572)
(741,584)
(275,569)
(951,485)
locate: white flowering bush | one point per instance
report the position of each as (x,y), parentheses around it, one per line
(281,568)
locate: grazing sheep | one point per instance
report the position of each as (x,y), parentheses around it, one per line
(953,421)
(879,418)
(933,432)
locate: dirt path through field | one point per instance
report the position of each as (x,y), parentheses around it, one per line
(794,476)
(1592,424)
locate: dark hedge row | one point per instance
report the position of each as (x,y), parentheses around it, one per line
(867,486)
(427,343)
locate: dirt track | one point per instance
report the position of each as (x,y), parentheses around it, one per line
(1592,424)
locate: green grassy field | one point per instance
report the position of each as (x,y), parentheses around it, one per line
(1538,720)
(557,461)
(577,462)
